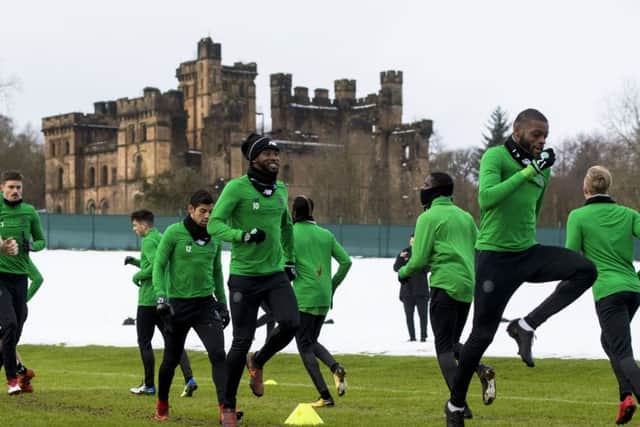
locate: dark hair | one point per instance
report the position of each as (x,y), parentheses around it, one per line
(11,176)
(143,215)
(528,115)
(201,197)
(442,180)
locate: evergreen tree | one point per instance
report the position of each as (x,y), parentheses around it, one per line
(497,130)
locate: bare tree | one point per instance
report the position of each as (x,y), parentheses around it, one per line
(623,114)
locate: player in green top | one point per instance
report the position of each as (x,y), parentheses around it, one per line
(252,214)
(186,274)
(19,223)
(604,232)
(512,181)
(147,318)
(314,288)
(444,241)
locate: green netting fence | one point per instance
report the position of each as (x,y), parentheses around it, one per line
(113,232)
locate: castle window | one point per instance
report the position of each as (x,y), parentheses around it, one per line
(91,207)
(138,166)
(60,178)
(66,147)
(92,177)
(132,134)
(53,149)
(286,174)
(104,176)
(143,132)
(114,175)
(104,207)
(59,209)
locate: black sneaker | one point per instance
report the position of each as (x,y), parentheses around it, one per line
(524,340)
(487,377)
(467,414)
(454,418)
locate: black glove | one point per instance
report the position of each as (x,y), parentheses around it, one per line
(221,313)
(290,269)
(163,307)
(254,236)
(545,160)
(129,260)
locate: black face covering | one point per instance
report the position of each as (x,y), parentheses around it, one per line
(428,195)
(518,153)
(264,182)
(198,233)
(12,203)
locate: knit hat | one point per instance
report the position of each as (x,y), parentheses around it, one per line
(302,209)
(255,144)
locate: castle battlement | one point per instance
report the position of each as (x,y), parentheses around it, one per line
(390,76)
(152,100)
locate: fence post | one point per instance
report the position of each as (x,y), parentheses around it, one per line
(93,231)
(340,231)
(379,238)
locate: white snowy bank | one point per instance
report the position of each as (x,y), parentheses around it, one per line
(87,295)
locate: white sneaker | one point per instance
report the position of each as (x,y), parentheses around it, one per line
(143,389)
(13,387)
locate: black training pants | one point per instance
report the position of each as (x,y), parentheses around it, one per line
(147,318)
(311,350)
(410,304)
(196,313)
(615,313)
(246,293)
(13,313)
(448,317)
(498,276)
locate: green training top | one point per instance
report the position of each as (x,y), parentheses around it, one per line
(193,270)
(142,278)
(604,232)
(443,242)
(22,223)
(314,247)
(510,198)
(242,208)
(36,280)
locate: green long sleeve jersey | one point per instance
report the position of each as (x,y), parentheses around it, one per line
(444,240)
(604,233)
(510,199)
(193,270)
(315,247)
(241,208)
(146,293)
(22,223)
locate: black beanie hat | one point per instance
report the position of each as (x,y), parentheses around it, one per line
(254,144)
(302,209)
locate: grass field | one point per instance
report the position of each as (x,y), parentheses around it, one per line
(88,386)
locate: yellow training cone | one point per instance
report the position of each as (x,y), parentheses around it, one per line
(270,382)
(304,415)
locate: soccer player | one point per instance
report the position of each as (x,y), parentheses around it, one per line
(19,223)
(252,214)
(604,232)
(414,293)
(513,178)
(444,241)
(147,317)
(186,274)
(314,287)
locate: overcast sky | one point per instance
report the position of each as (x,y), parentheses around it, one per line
(460,58)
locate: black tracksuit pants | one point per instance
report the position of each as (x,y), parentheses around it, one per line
(196,313)
(246,293)
(498,276)
(410,304)
(147,319)
(615,313)
(311,350)
(13,313)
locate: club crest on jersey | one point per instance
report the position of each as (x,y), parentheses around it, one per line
(256,205)
(188,248)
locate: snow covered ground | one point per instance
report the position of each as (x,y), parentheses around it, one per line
(87,295)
